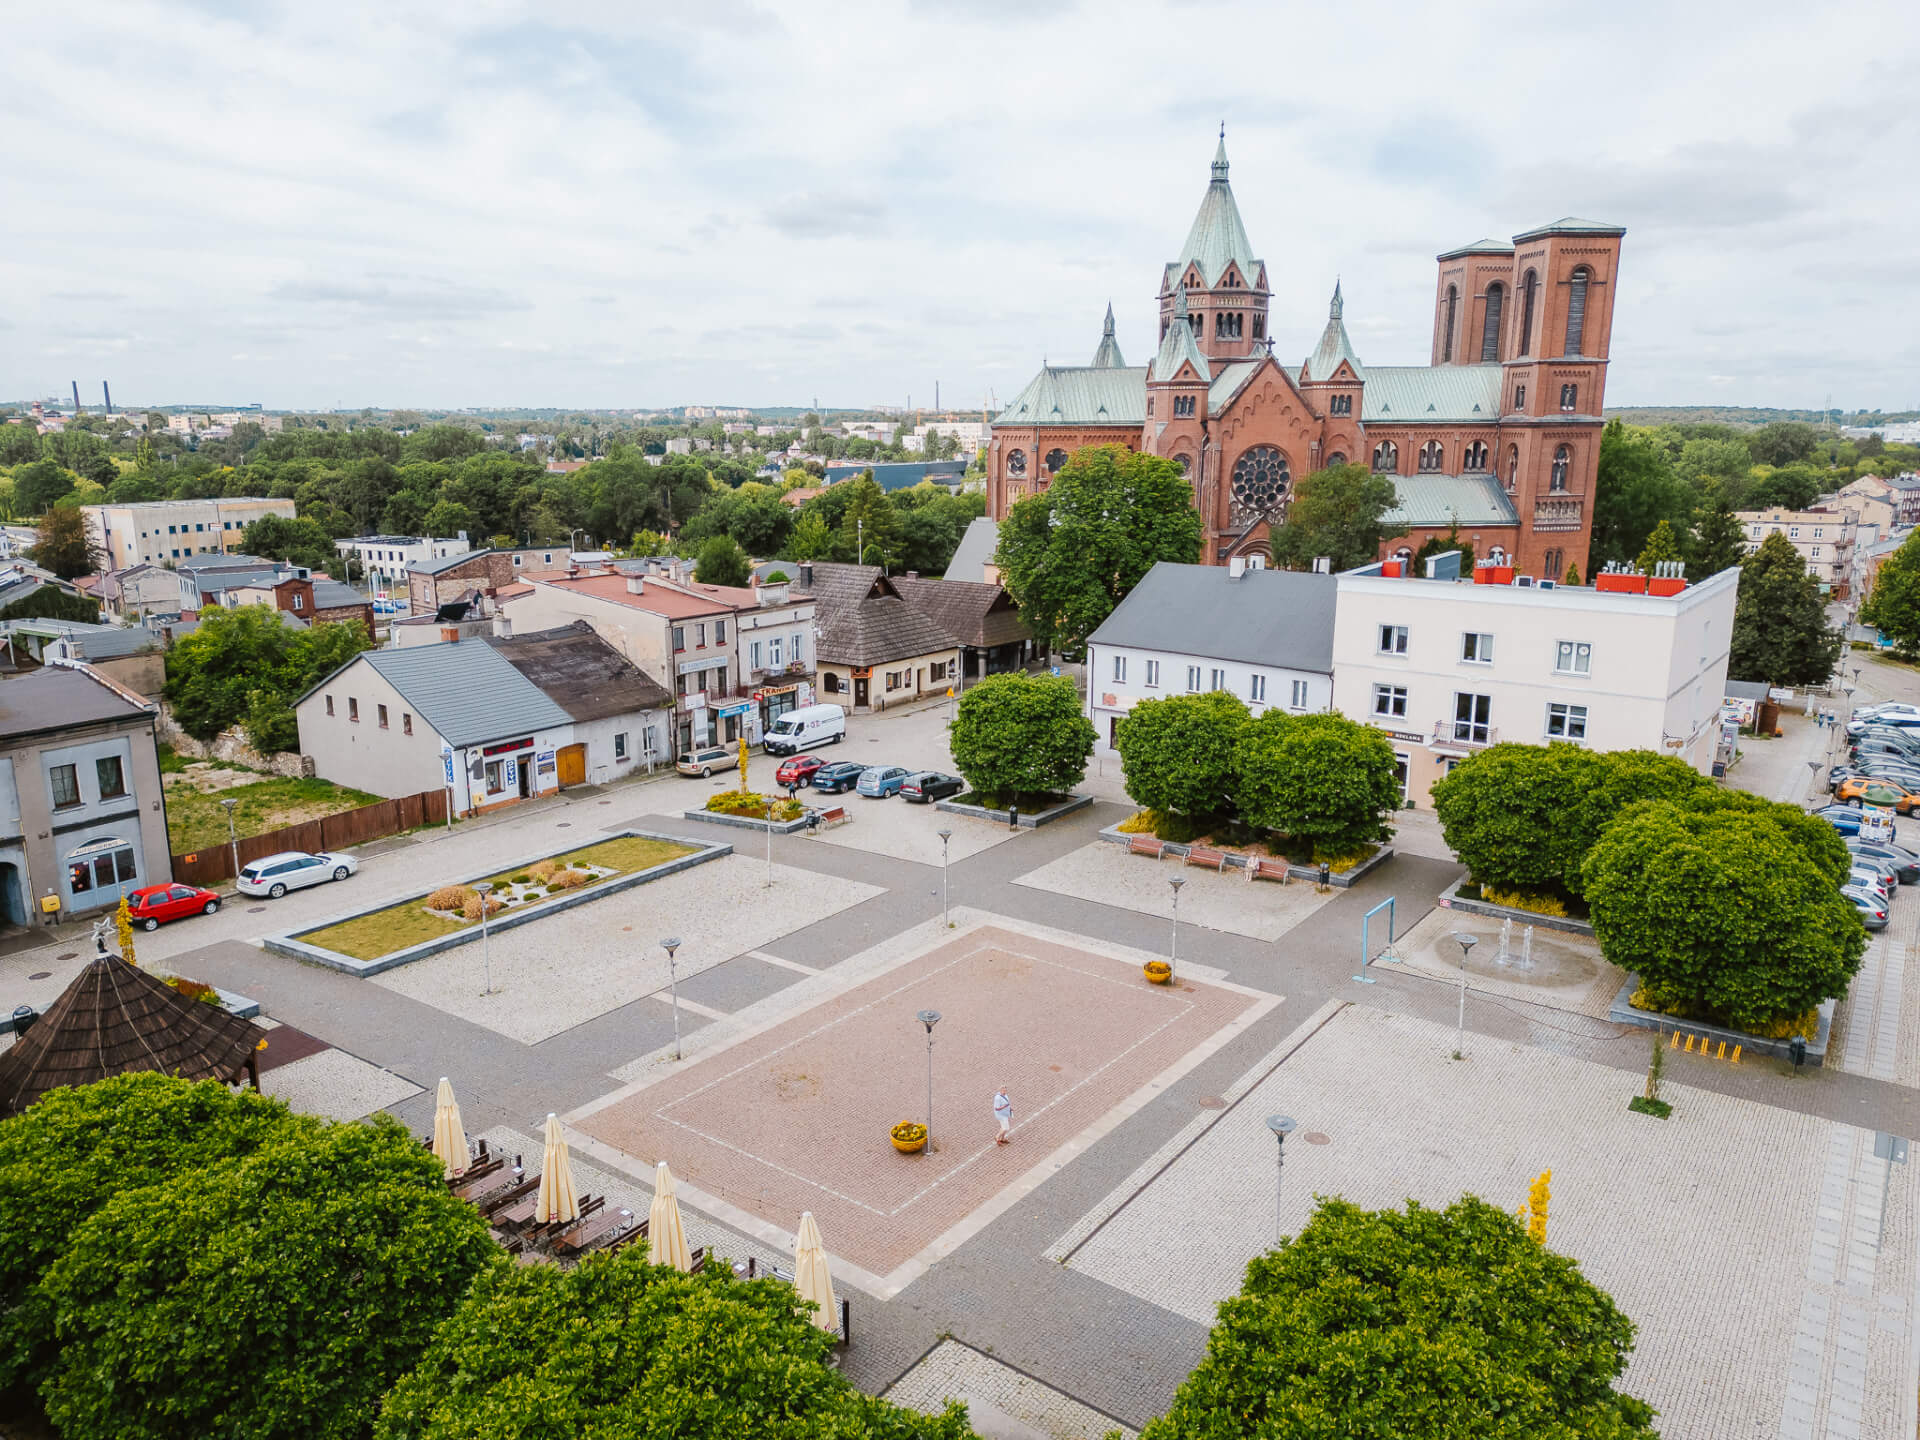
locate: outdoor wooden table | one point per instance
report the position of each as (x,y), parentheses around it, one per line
(519,1214)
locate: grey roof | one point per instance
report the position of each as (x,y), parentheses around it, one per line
(468,693)
(1282,618)
(975,551)
(976,614)
(1479,247)
(1177,346)
(1334,346)
(582,673)
(439,563)
(1410,394)
(1108,356)
(59,697)
(90,642)
(863,621)
(1229,382)
(265,574)
(217,560)
(332,595)
(1080,395)
(1218,238)
(1746,689)
(1572,225)
(1433,500)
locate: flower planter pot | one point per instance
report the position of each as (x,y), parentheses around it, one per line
(908,1138)
(1158,971)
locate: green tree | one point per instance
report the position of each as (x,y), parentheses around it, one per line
(1572,576)
(617,1348)
(1780,630)
(810,539)
(1782,442)
(65,547)
(1071,554)
(278,1295)
(214,674)
(1717,542)
(448,518)
(869,524)
(1661,546)
(1440,545)
(74,1150)
(1181,754)
(1322,779)
(1790,487)
(722,562)
(1721,913)
(1379,1325)
(1336,512)
(1020,738)
(1634,490)
(296,541)
(1894,606)
(40,486)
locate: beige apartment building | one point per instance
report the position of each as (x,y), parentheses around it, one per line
(1449,667)
(159,532)
(1824,539)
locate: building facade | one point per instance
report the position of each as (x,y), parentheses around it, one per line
(385,560)
(1499,432)
(158,531)
(1823,538)
(1449,667)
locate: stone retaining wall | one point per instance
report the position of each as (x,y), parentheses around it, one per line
(1310,873)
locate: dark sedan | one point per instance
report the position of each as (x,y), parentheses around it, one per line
(841,775)
(928,786)
(1903,862)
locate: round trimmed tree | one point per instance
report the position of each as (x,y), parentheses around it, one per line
(1181,755)
(1319,778)
(1510,813)
(279,1295)
(1383,1324)
(1021,738)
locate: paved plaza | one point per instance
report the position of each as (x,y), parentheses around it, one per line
(1209,900)
(911,832)
(1560,969)
(1000,1401)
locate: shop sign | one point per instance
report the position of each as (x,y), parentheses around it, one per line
(1411,737)
(732,708)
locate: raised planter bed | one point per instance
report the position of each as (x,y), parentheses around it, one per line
(1451,899)
(747,822)
(293,944)
(1028,819)
(1235,860)
(1623,1013)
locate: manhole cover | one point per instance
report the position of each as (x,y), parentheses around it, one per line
(565,825)
(606,802)
(1212,1102)
(1314,1137)
(70,955)
(256,910)
(39,975)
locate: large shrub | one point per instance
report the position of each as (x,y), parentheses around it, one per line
(1319,778)
(619,1348)
(1180,755)
(1020,737)
(279,1295)
(1724,913)
(74,1151)
(1380,1325)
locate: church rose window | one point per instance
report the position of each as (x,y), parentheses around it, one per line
(1260,479)
(1055,459)
(1338,457)
(1185,462)
(1016,462)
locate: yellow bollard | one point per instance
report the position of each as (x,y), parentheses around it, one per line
(1674,1044)
(1736,1054)
(1689,1044)
(1721,1053)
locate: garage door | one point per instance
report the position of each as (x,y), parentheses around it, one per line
(573,765)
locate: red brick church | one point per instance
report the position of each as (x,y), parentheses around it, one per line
(1499,433)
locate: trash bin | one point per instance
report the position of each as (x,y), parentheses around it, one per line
(1013,817)
(23,1018)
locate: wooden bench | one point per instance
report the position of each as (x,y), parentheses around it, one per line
(1212,859)
(837,815)
(1258,869)
(1146,845)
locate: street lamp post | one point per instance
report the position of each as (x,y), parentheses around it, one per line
(946,895)
(485,888)
(1173,941)
(1466,943)
(670,945)
(233,839)
(1281,1126)
(1813,782)
(929,1018)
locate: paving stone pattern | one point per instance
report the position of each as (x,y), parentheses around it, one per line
(1112,875)
(994,1394)
(1879,1039)
(1568,972)
(337,1085)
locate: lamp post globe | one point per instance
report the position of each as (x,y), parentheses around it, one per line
(929,1018)
(670,945)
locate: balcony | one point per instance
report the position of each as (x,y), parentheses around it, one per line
(1558,513)
(1462,738)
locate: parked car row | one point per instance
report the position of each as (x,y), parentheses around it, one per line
(1877,867)
(151,906)
(876,782)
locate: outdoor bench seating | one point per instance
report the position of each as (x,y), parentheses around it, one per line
(494,1201)
(1146,845)
(1212,859)
(1258,869)
(834,815)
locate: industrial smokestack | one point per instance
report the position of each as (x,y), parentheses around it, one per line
(107,394)
(76,397)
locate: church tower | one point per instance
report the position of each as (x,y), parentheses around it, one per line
(1333,380)
(1108,356)
(1225,284)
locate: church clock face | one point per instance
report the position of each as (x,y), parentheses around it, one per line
(1260,481)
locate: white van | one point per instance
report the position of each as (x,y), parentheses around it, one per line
(805,728)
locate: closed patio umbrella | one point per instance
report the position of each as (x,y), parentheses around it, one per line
(449,1135)
(557,1200)
(666,1236)
(810,1275)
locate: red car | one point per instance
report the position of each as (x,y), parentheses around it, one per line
(798,771)
(154,903)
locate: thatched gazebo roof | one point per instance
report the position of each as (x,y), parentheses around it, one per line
(115,1018)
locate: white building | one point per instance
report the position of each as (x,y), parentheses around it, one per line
(1448,667)
(1264,635)
(1824,539)
(156,532)
(385,559)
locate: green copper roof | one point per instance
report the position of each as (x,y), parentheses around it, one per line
(1572,225)
(1434,500)
(1217,237)
(1108,356)
(1479,247)
(1229,382)
(1178,346)
(1080,395)
(1410,394)
(1334,346)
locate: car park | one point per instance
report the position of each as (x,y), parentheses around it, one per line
(1871,790)
(1898,773)
(927,786)
(293,870)
(1887,737)
(1873,912)
(707,759)
(1905,864)
(880,781)
(841,775)
(1866,877)
(1884,722)
(1880,871)
(797,771)
(1846,819)
(152,904)
(1886,708)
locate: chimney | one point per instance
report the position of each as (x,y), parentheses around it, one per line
(1323,564)
(502,627)
(1237,567)
(636,584)
(450,634)
(806,575)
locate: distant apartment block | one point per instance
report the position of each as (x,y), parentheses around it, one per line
(163,531)
(1824,539)
(386,559)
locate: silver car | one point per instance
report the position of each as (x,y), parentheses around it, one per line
(291,870)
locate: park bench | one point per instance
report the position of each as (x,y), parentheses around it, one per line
(1258,869)
(494,1201)
(1146,845)
(548,1230)
(835,815)
(1212,859)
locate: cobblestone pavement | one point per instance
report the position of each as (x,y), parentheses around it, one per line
(912,832)
(1878,1022)
(1567,971)
(337,1085)
(1111,875)
(1000,1400)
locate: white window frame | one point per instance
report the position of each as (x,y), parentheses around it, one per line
(1219,678)
(1569,716)
(1193,679)
(1476,648)
(1257,688)
(1302,693)
(1392,696)
(1472,725)
(1119,669)
(1153,674)
(1393,640)
(1578,655)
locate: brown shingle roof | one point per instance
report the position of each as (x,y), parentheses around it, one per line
(972,612)
(113,1019)
(580,672)
(878,632)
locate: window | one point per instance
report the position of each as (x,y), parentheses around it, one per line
(1193,679)
(1299,700)
(1562,462)
(1257,689)
(353,710)
(381,715)
(1338,457)
(1055,459)
(66,786)
(113,780)
(1519,397)
(1393,639)
(1490,331)
(1550,566)
(1153,674)
(1513,468)
(1573,657)
(406,723)
(620,745)
(1432,456)
(1818,531)
(1793,532)
(1577,310)
(1182,405)
(1475,458)
(1390,701)
(1446,336)
(893,679)
(329,705)
(753,656)
(1341,405)
(719,632)
(299,601)
(777,651)
(1814,553)
(1219,680)
(1016,462)
(1566,722)
(1261,477)
(101,865)
(1386,458)
(1472,715)
(1523,342)
(1569,397)
(1229,325)
(1119,669)
(679,637)
(1476,648)
(700,636)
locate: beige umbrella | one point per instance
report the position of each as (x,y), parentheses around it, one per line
(449,1135)
(556,1200)
(666,1236)
(810,1275)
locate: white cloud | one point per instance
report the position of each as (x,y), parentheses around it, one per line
(581,203)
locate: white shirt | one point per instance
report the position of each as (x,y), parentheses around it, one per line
(1002,1107)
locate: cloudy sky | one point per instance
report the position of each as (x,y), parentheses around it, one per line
(724,201)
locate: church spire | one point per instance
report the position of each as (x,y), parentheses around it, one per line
(1108,356)
(1220,157)
(1334,311)
(1334,346)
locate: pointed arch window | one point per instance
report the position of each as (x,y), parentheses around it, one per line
(1490,331)
(1577,309)
(1432,456)
(1475,459)
(1562,462)
(1338,457)
(1453,311)
(1386,458)
(1529,288)
(1513,468)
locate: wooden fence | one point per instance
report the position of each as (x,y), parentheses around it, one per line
(330,832)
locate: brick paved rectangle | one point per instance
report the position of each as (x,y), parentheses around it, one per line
(796,1116)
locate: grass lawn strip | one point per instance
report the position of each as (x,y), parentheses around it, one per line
(381,932)
(195,820)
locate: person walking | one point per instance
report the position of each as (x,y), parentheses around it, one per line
(1003,1112)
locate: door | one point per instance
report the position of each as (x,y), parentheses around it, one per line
(573,765)
(524,773)
(860,691)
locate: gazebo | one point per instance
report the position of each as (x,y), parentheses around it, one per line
(115,1018)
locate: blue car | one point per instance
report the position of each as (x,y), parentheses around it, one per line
(1845,819)
(880,781)
(841,775)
